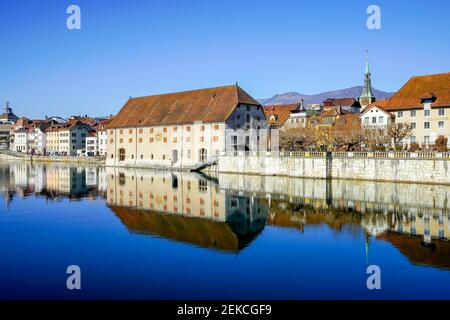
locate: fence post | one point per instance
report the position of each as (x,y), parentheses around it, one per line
(329,164)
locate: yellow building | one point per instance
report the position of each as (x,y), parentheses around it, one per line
(424,104)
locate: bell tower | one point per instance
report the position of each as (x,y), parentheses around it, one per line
(367,96)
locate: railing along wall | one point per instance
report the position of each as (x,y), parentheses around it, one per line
(342,155)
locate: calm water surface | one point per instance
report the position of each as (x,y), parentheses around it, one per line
(156,235)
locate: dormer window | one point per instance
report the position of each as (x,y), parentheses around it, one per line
(427,98)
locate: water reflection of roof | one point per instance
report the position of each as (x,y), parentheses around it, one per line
(202,232)
(437,255)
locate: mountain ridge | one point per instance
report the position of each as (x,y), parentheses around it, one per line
(295,97)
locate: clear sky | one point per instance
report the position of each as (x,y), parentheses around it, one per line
(144,47)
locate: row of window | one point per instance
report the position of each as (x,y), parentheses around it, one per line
(175,140)
(427,113)
(427,125)
(151,130)
(373,120)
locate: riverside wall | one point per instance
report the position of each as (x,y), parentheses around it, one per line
(402,167)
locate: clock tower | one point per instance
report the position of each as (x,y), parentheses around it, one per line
(367,96)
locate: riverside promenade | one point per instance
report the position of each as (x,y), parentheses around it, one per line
(9,155)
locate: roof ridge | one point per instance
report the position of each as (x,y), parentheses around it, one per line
(185,91)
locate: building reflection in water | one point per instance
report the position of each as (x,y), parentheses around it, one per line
(228,212)
(184,207)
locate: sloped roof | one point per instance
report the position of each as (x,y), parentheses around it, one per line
(381,104)
(340,102)
(201,232)
(207,105)
(412,248)
(410,95)
(280,111)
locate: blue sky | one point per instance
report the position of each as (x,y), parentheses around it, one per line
(138,47)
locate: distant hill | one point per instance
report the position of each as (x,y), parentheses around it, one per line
(294,97)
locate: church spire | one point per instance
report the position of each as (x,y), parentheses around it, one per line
(367,96)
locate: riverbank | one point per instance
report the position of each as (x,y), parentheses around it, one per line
(405,167)
(15,156)
(427,167)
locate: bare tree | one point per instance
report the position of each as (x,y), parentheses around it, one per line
(347,140)
(398,132)
(375,138)
(295,139)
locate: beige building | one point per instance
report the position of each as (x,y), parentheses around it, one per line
(424,103)
(184,129)
(67,139)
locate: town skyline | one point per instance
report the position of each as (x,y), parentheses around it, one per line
(113,56)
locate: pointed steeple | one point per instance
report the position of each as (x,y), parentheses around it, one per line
(367,96)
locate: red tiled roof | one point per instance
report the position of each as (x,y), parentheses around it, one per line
(207,105)
(410,95)
(281,112)
(340,102)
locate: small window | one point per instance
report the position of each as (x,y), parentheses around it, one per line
(151,130)
(413,113)
(427,113)
(120,131)
(426,125)
(175,129)
(165,129)
(441,124)
(130,140)
(130,131)
(400,114)
(441,111)
(188,128)
(140,131)
(413,125)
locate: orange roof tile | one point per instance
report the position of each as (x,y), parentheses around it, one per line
(207,105)
(281,112)
(410,95)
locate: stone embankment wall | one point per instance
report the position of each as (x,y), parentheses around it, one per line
(399,167)
(12,156)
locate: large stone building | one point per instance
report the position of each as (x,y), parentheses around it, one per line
(185,128)
(424,104)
